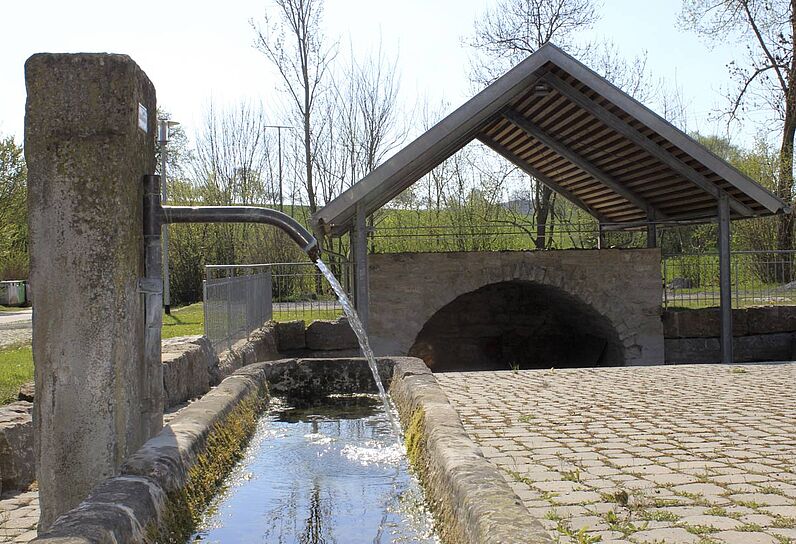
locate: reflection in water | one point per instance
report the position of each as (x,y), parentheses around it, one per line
(321,475)
(314,531)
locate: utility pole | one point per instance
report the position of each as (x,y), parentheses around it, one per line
(279,147)
(163,140)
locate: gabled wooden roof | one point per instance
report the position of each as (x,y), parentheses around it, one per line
(573,130)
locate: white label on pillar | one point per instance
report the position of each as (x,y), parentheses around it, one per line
(142,117)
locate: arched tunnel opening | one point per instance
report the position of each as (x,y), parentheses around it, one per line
(517,325)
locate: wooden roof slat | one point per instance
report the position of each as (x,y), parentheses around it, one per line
(551,142)
(639,139)
(508,155)
(596,145)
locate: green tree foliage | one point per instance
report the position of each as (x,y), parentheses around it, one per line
(13,212)
(764,78)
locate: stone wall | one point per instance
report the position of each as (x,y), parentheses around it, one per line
(17,462)
(759,334)
(319,339)
(470,498)
(622,286)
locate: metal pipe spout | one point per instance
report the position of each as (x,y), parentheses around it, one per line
(244,214)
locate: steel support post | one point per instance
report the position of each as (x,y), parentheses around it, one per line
(725,281)
(360,246)
(652,233)
(163,141)
(152,288)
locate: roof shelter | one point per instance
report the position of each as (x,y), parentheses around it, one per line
(587,140)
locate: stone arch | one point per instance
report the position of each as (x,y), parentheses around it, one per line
(517,323)
(623,286)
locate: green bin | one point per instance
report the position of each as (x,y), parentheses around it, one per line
(12,293)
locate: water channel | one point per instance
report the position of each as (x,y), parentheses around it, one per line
(330,473)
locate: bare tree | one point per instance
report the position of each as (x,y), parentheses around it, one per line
(513,29)
(294,44)
(765,78)
(377,85)
(230,165)
(231,156)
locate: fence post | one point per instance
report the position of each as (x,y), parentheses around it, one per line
(204,302)
(737,285)
(229,313)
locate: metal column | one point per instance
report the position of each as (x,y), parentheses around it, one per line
(652,232)
(360,247)
(725,281)
(151,286)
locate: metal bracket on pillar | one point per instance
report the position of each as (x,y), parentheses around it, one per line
(360,246)
(725,281)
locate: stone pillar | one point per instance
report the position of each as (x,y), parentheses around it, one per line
(89,138)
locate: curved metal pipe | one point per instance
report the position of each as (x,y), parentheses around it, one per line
(244,214)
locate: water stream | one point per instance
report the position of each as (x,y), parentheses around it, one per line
(320,474)
(364,344)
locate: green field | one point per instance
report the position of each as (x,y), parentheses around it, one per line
(16,368)
(16,362)
(184,321)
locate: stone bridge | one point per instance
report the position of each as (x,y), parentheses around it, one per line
(479,310)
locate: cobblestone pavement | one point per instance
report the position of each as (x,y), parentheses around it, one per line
(668,454)
(19,515)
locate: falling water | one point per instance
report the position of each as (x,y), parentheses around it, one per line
(364,344)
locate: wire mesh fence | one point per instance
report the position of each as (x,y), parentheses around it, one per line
(758,278)
(237,300)
(301,292)
(501,236)
(241,298)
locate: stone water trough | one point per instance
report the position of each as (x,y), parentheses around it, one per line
(146,501)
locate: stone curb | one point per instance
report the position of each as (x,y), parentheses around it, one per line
(470,499)
(121,508)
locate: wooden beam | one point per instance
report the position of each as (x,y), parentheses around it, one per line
(536,132)
(635,136)
(531,171)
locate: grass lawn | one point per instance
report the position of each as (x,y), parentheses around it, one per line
(16,368)
(11,308)
(307,315)
(16,362)
(184,321)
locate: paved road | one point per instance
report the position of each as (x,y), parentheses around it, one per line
(15,327)
(676,454)
(15,317)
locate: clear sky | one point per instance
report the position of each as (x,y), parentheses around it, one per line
(195,50)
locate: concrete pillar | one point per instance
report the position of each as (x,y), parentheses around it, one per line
(89,138)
